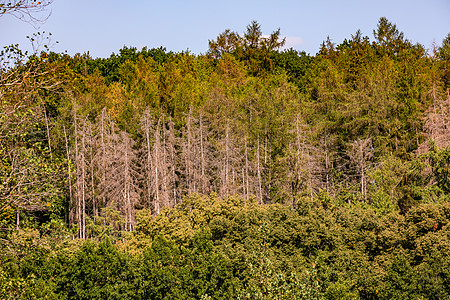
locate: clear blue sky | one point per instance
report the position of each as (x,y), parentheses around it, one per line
(103,27)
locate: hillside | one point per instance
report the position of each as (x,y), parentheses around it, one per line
(247,172)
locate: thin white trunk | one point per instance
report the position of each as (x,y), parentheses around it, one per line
(83,182)
(103,145)
(149,159)
(78,171)
(247,196)
(227,158)
(48,133)
(69,173)
(202,157)
(156,147)
(259,176)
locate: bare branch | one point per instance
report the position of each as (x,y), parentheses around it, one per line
(30,11)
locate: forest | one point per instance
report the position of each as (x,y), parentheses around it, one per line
(248,172)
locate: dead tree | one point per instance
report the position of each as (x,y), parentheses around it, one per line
(147,124)
(82,130)
(360,153)
(121,188)
(26,10)
(171,144)
(196,155)
(104,155)
(229,163)
(437,121)
(130,177)
(160,162)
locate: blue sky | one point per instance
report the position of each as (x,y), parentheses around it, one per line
(103,27)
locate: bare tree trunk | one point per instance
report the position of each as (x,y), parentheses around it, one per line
(69,173)
(48,133)
(327,168)
(103,159)
(157,158)
(259,176)
(78,181)
(91,164)
(148,168)
(173,162)
(202,158)
(164,166)
(299,146)
(188,156)
(227,160)
(247,193)
(83,182)
(160,163)
(266,175)
(360,153)
(127,179)
(17,218)
(92,175)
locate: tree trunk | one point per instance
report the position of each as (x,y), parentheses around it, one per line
(69,173)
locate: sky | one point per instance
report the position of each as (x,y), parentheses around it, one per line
(103,27)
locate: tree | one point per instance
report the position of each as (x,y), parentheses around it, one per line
(439,161)
(229,162)
(160,162)
(253,47)
(27,164)
(444,55)
(360,153)
(82,127)
(437,122)
(122,189)
(227,42)
(26,10)
(389,38)
(295,64)
(196,155)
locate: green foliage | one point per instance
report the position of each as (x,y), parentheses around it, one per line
(295,64)
(110,68)
(244,252)
(385,180)
(173,272)
(440,165)
(96,271)
(255,50)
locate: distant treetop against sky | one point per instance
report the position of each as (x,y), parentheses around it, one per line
(103,27)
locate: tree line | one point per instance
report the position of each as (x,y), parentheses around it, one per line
(144,128)
(264,172)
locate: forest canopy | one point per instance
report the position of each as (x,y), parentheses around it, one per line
(251,171)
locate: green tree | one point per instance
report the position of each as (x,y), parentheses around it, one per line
(97,271)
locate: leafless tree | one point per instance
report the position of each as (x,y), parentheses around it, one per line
(437,121)
(31,11)
(360,153)
(84,174)
(173,161)
(120,186)
(230,162)
(259,177)
(147,124)
(160,162)
(196,152)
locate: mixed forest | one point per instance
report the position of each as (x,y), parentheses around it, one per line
(248,172)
